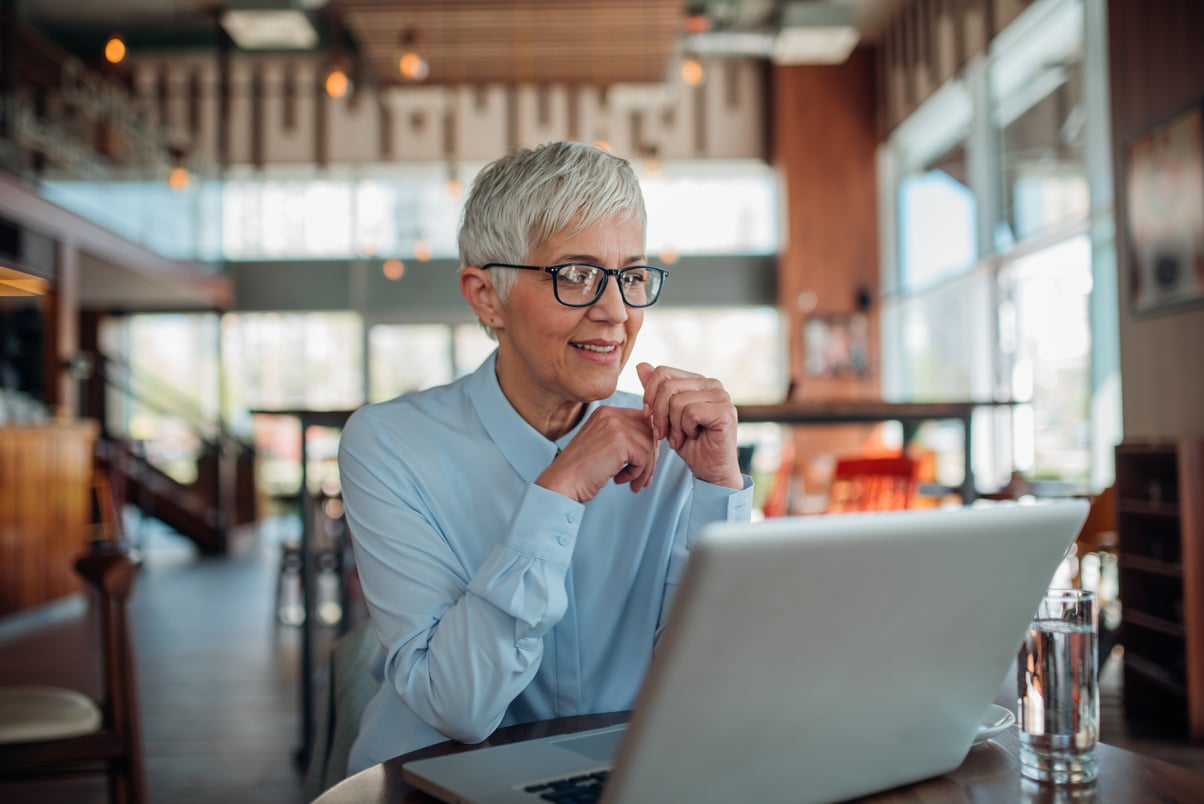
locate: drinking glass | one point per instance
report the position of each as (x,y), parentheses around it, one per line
(1058,685)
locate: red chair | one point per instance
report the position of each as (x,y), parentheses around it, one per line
(872,484)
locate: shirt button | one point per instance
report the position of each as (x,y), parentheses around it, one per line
(571,517)
(562,540)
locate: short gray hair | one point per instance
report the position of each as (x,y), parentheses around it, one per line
(524,199)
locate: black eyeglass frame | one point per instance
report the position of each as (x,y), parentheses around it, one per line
(555,270)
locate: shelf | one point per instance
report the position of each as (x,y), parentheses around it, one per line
(1155,674)
(1151,565)
(1160,537)
(1147,508)
(1130,617)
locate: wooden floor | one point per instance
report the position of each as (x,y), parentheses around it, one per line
(219,680)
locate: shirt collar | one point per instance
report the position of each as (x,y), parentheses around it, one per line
(527,450)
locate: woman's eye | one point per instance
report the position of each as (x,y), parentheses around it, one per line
(576,276)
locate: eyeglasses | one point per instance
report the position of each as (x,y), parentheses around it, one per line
(580,284)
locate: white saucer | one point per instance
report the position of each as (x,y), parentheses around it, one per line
(994,721)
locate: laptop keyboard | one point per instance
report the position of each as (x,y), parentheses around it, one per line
(581,788)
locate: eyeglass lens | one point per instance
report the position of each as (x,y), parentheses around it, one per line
(583,284)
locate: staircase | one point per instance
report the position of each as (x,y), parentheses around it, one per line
(204,511)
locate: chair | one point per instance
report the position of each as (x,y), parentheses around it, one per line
(1094,565)
(1098,534)
(47,732)
(872,484)
(353,678)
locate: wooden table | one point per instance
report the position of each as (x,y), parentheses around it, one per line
(909,414)
(990,773)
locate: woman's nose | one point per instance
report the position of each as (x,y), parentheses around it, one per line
(610,303)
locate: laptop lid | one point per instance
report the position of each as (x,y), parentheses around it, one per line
(812,659)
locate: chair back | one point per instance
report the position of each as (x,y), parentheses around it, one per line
(116,747)
(1098,533)
(112,574)
(353,678)
(872,484)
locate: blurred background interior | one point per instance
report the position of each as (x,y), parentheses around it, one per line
(224,226)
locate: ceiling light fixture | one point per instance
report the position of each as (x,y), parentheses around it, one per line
(815,33)
(411,65)
(696,21)
(393,269)
(422,249)
(19,283)
(274,29)
(178,178)
(692,71)
(115,49)
(337,83)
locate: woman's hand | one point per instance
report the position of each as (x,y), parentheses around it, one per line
(613,443)
(696,415)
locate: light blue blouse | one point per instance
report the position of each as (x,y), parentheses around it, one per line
(498,601)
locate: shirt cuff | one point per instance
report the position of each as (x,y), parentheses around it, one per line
(712,503)
(546,525)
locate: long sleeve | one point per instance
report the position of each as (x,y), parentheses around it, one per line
(708,503)
(497,601)
(463,642)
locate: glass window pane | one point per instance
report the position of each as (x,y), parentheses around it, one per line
(404,358)
(472,347)
(741,347)
(937,221)
(717,207)
(939,342)
(1046,338)
(1039,107)
(279,361)
(172,400)
(1044,171)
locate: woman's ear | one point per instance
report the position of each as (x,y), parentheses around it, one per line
(476,286)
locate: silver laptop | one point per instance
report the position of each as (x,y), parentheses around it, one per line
(808,659)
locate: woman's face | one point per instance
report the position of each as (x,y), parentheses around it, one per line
(552,357)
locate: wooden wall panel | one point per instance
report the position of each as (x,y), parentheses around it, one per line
(1155,70)
(45,511)
(825,146)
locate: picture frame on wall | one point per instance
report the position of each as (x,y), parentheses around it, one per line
(1164,190)
(836,345)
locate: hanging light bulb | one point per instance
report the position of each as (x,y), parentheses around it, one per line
(115,49)
(337,83)
(696,21)
(178,178)
(422,249)
(411,65)
(652,162)
(692,72)
(393,269)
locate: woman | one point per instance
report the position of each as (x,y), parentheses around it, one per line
(519,532)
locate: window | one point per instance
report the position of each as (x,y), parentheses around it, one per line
(274,361)
(1039,108)
(164,386)
(404,358)
(1045,337)
(937,221)
(743,347)
(989,292)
